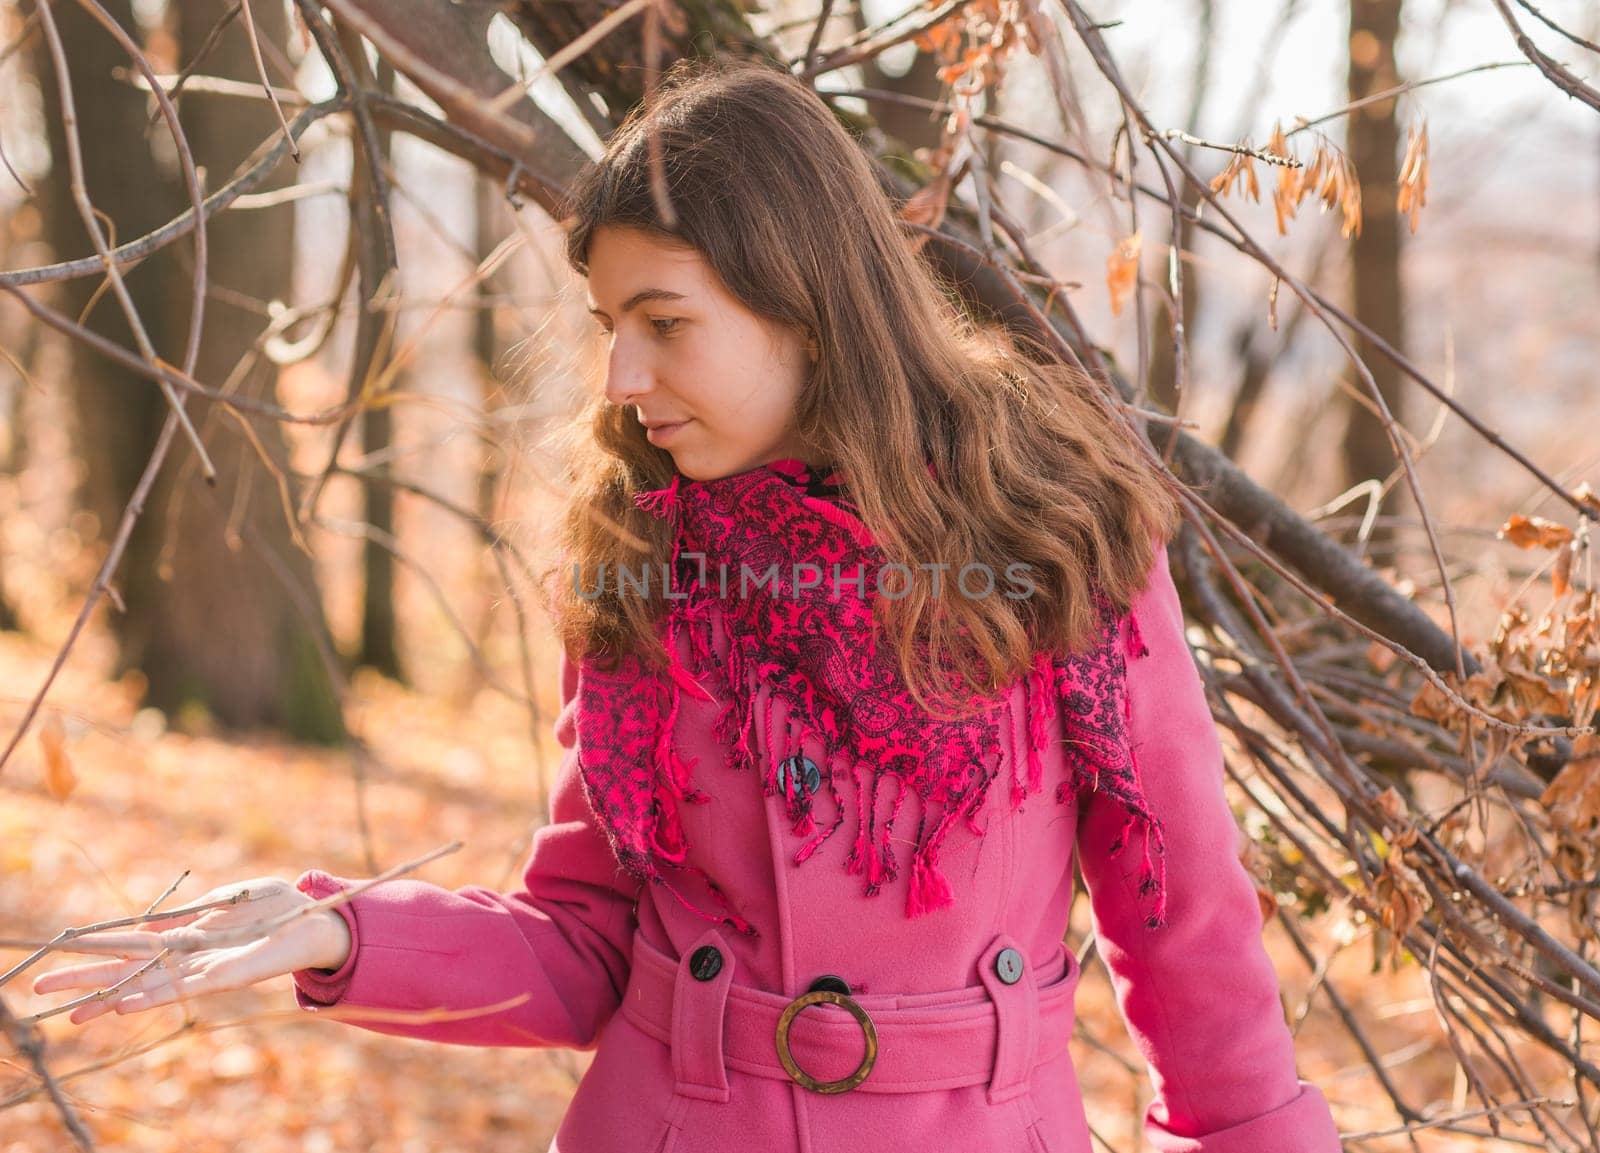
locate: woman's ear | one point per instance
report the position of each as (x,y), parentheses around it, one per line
(813,349)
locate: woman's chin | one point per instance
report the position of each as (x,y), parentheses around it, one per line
(703,462)
(691,467)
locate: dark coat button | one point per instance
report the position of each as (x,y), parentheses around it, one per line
(705,963)
(798,774)
(1008,966)
(831,983)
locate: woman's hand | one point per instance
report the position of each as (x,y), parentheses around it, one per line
(210,952)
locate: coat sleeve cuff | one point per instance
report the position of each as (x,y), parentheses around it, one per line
(314,988)
(1303,1125)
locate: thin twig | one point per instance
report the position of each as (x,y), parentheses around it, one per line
(256,170)
(1302,124)
(266,84)
(1558,29)
(1557,73)
(27,1041)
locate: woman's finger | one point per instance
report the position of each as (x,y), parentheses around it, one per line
(88,976)
(161,923)
(165,993)
(133,943)
(90,1011)
(158,976)
(111,1003)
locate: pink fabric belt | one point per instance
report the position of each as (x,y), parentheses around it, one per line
(993,1035)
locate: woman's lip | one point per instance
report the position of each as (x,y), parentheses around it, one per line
(662,432)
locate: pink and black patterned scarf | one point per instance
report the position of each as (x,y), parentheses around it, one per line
(814,647)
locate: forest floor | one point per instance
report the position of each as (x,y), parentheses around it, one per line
(250,1071)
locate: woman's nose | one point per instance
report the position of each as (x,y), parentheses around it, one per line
(627,374)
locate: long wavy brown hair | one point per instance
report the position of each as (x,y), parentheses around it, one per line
(1029,465)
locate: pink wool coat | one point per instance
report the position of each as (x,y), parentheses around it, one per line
(971,1044)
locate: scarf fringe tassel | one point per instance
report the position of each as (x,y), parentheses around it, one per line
(872,855)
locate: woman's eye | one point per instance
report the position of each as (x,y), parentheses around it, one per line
(664,325)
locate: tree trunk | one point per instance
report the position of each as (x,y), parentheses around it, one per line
(20,338)
(1378,297)
(379,635)
(488,196)
(116,415)
(211,577)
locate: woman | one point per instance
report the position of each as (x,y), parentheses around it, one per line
(838,565)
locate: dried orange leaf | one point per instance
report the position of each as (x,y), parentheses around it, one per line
(1573,797)
(1534,532)
(1483,688)
(1286,196)
(1393,806)
(1222,182)
(926,206)
(1414,174)
(58,775)
(1431,704)
(1311,175)
(1536,694)
(1283,198)
(1561,577)
(1122,271)
(1350,199)
(1402,898)
(1330,189)
(1241,167)
(1277,144)
(942,39)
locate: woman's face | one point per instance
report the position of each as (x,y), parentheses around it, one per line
(721,381)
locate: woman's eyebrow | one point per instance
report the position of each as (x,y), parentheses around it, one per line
(643,295)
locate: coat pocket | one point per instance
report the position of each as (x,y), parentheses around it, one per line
(672,1126)
(1055,1110)
(1036,1138)
(668,1140)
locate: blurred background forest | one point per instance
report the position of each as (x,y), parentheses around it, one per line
(319,641)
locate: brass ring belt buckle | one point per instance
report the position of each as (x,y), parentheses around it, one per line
(800,1076)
